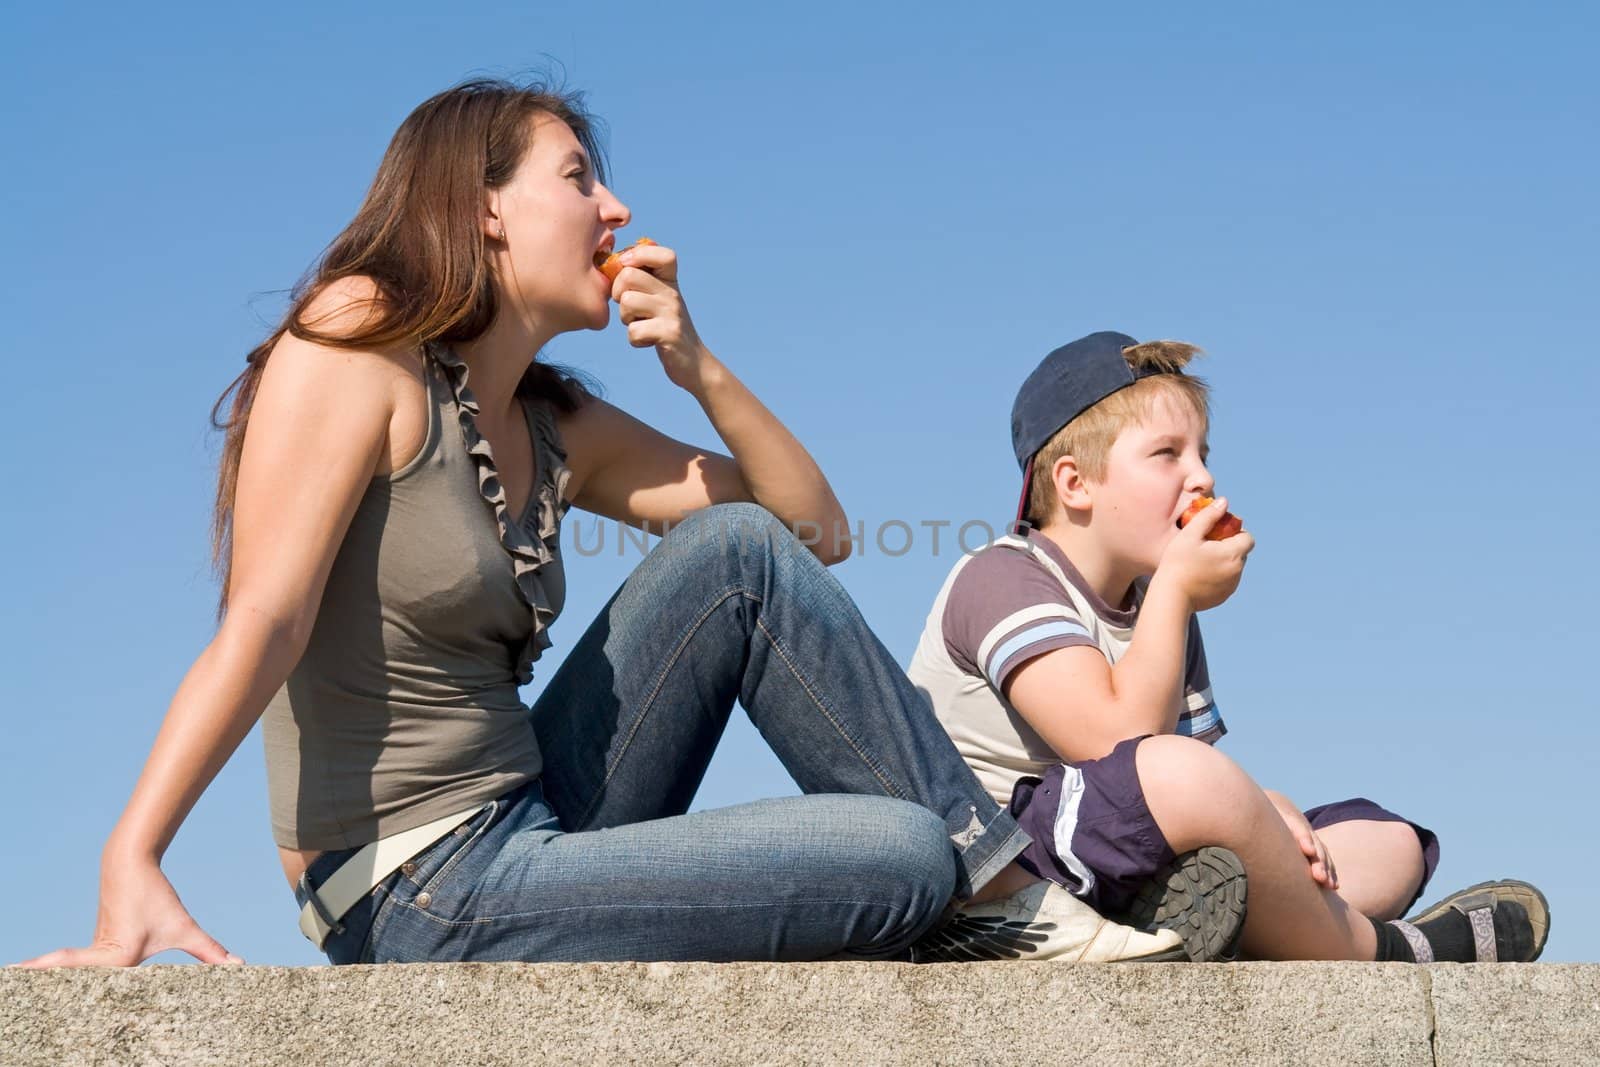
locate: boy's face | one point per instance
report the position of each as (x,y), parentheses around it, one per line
(1153,471)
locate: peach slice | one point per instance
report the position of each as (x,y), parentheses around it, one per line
(1226,527)
(611,265)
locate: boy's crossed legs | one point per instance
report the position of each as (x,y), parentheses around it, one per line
(1380,865)
(1191,795)
(1197,793)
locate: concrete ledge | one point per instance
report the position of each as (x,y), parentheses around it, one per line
(1386,1014)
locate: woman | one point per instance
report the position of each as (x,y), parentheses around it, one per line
(396,468)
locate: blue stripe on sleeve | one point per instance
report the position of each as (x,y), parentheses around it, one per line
(1032,635)
(1197,723)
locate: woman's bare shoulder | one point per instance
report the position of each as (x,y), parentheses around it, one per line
(338,312)
(320,429)
(360,373)
(371,390)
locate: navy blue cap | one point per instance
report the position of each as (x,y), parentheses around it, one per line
(1069,381)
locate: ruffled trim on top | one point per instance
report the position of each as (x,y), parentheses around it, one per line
(529,550)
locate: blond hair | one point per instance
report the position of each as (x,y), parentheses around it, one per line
(1089,437)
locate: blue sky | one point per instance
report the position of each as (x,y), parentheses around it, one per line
(1380,223)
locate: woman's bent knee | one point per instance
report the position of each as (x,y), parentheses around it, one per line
(924,853)
(739,518)
(736,534)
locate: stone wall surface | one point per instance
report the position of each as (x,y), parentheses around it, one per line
(1301,1013)
(1511,1014)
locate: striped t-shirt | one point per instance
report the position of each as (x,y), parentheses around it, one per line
(1001,607)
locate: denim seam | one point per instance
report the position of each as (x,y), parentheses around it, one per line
(454,924)
(386,910)
(408,878)
(440,845)
(364,954)
(380,922)
(466,846)
(655,691)
(485,920)
(885,780)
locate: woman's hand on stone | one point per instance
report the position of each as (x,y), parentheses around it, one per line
(140,915)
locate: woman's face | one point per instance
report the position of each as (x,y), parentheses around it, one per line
(556,215)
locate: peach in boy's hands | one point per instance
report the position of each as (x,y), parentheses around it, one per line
(1206,569)
(1226,527)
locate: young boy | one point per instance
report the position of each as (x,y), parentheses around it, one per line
(1065,662)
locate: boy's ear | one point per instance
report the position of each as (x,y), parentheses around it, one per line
(1071,489)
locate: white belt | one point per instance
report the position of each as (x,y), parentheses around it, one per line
(357,875)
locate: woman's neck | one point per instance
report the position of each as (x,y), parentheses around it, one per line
(497,358)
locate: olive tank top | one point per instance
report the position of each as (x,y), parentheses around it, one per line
(405,705)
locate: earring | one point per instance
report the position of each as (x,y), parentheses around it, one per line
(502,231)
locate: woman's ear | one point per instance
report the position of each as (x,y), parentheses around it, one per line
(1071,488)
(493,227)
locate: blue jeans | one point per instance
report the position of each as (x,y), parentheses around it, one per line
(597,860)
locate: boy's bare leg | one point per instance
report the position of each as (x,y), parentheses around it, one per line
(1198,796)
(1379,863)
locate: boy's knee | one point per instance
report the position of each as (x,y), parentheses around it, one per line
(1397,841)
(1170,757)
(1191,782)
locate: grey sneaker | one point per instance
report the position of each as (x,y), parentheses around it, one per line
(1200,896)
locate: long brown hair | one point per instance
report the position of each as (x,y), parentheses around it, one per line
(418,236)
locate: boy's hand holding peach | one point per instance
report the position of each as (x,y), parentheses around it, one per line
(1207,570)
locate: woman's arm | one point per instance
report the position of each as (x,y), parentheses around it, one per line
(317,430)
(626,470)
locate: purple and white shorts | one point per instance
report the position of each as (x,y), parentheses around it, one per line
(1093,833)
